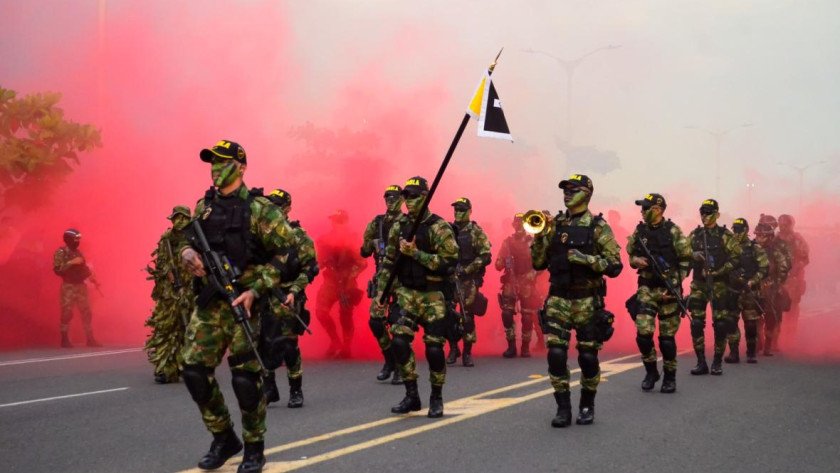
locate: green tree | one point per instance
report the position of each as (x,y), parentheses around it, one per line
(38,147)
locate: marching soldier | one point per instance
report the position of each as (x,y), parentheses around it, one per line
(746,279)
(373,244)
(772,287)
(578,249)
(70,265)
(661,254)
(800,252)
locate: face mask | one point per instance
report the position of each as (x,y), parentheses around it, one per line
(73,244)
(393,204)
(414,205)
(709,219)
(577,199)
(462,215)
(224,173)
(180,222)
(648,215)
(740,237)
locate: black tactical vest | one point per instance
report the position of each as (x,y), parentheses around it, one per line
(466,248)
(228,228)
(383,229)
(412,274)
(661,245)
(565,275)
(716,250)
(747,262)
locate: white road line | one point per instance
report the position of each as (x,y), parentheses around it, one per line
(69,357)
(62,397)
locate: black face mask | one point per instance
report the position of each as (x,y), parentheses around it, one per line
(73,244)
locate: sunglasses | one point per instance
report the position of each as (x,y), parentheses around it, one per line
(412,195)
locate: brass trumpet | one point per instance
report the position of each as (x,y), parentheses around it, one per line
(534,222)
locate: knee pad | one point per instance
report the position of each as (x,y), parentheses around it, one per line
(697,327)
(438,328)
(645,343)
(197,379)
(401,348)
(588,361)
(435,357)
(722,328)
(291,353)
(377,326)
(245,386)
(751,328)
(469,326)
(668,347)
(507,318)
(557,359)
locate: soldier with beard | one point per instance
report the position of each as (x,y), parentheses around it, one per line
(173,301)
(772,287)
(70,265)
(373,244)
(578,249)
(715,253)
(663,241)
(519,288)
(473,258)
(746,279)
(425,263)
(800,252)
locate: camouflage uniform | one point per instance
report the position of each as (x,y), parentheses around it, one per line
(173,306)
(667,243)
(773,293)
(750,270)
(795,284)
(519,285)
(74,291)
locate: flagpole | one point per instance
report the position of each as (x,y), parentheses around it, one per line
(425,207)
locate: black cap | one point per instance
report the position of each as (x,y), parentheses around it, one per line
(652,199)
(577,180)
(224,149)
(393,190)
(740,225)
(415,185)
(462,204)
(709,204)
(280,197)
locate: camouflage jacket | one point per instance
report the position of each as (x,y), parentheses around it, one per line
(761,261)
(799,250)
(442,240)
(607,251)
(779,257)
(164,266)
(269,225)
(730,247)
(375,237)
(304,249)
(70,273)
(682,248)
(480,247)
(514,257)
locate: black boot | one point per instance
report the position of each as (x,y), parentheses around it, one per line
(454,353)
(563,418)
(295,393)
(161,378)
(751,352)
(270,388)
(253,460)
(91,342)
(436,402)
(225,445)
(734,354)
(717,366)
(651,377)
(586,415)
(669,381)
(65,341)
(511,350)
(702,367)
(411,401)
(386,371)
(468,359)
(397,379)
(525,349)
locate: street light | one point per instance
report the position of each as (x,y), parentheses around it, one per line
(718,135)
(569,66)
(750,187)
(801,170)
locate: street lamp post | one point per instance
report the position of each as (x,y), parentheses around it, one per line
(569,66)
(750,187)
(801,170)
(718,136)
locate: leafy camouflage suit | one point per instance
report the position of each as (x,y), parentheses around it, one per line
(173,307)
(751,269)
(212,329)
(74,291)
(473,258)
(519,283)
(668,244)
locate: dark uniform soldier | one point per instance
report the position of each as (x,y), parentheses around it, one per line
(373,244)
(666,243)
(772,287)
(578,249)
(250,231)
(425,263)
(519,285)
(715,253)
(795,284)
(746,280)
(69,263)
(173,301)
(473,258)
(284,316)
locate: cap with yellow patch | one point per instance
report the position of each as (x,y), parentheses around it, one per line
(652,199)
(740,225)
(415,185)
(280,197)
(224,149)
(462,204)
(393,190)
(576,181)
(709,204)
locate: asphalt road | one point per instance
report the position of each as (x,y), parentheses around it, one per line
(103,413)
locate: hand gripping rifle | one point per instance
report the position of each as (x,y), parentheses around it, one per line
(222,275)
(660,273)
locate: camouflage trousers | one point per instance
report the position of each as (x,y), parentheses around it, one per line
(165,344)
(724,314)
(751,314)
(469,290)
(524,291)
(74,295)
(378,321)
(280,323)
(425,309)
(656,303)
(561,317)
(211,332)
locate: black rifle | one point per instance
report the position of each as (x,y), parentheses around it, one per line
(460,294)
(708,264)
(660,273)
(297,307)
(222,275)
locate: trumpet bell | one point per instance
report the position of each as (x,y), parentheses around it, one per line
(534,222)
